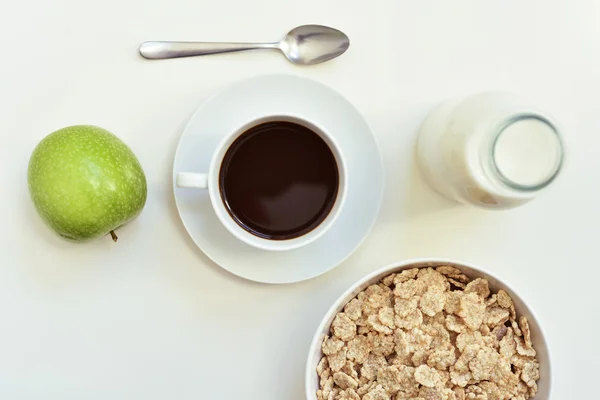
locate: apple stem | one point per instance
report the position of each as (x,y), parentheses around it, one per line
(114,236)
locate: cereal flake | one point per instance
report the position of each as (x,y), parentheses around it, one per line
(337,361)
(322,366)
(433,301)
(397,378)
(471,310)
(331,345)
(452,304)
(453,273)
(375,324)
(348,394)
(381,344)
(495,316)
(412,320)
(358,349)
(344,381)
(343,327)
(407,289)
(353,309)
(371,366)
(441,359)
(404,307)
(427,376)
(377,393)
(479,286)
(386,317)
(405,275)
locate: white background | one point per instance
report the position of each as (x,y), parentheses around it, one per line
(151,317)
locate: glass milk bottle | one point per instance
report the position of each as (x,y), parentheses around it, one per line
(491,150)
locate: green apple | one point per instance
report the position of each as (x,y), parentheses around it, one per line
(85,182)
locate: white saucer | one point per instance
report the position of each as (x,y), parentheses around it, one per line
(229,109)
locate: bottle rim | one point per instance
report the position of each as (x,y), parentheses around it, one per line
(550,177)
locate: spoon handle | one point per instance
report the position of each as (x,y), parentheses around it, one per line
(162,50)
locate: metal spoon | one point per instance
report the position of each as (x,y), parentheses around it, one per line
(304,45)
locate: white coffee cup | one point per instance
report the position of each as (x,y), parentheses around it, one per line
(210,181)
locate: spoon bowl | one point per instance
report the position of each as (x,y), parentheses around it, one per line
(313,44)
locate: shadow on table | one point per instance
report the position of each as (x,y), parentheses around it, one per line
(407,194)
(174,214)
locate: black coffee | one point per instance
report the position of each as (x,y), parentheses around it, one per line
(279,180)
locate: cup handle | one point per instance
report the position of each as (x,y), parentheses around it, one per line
(191,180)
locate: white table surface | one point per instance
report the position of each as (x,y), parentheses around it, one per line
(151,317)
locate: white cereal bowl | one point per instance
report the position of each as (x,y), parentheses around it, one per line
(537,335)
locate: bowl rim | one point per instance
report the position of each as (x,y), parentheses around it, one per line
(401,265)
